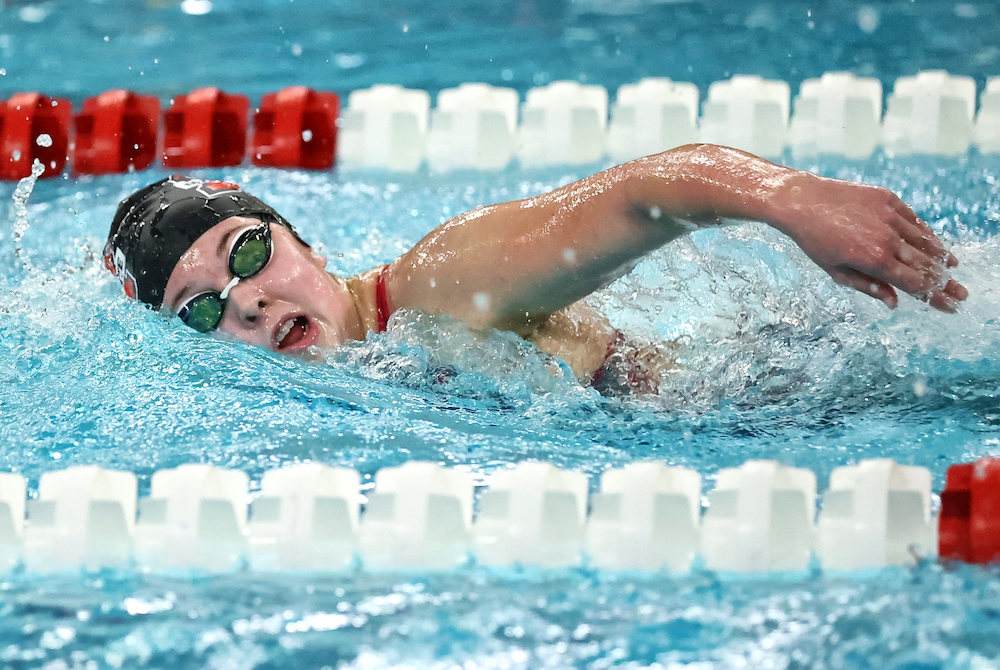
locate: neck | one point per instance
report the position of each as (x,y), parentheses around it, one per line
(362,291)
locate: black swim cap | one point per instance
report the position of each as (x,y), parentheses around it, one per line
(154,226)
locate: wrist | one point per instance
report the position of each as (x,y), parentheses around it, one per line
(785,198)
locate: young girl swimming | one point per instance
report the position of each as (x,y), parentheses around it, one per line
(227,263)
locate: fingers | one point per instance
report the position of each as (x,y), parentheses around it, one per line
(869,285)
(922,238)
(919,235)
(918,260)
(921,278)
(945,299)
(948,298)
(910,258)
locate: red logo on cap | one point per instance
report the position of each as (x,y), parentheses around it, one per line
(114,260)
(129,285)
(206,189)
(221,186)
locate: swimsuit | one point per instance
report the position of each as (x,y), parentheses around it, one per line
(624,370)
(381,301)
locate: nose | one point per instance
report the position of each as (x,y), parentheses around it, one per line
(247,302)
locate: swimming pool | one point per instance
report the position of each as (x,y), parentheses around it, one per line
(779,362)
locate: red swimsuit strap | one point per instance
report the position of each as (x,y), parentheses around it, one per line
(381,301)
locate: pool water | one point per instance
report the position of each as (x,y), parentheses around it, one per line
(779,362)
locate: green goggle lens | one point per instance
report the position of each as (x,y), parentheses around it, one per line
(250,254)
(203,312)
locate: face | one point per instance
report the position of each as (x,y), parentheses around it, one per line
(292,304)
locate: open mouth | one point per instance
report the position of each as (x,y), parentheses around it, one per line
(294,333)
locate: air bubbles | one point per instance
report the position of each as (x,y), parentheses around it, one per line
(44,140)
(569,256)
(15,155)
(296,50)
(655,213)
(307,135)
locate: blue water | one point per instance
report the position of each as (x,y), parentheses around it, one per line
(778,361)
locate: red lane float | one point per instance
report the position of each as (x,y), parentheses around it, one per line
(206,128)
(33,126)
(116,131)
(969,526)
(296,128)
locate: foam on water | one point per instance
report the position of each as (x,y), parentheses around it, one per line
(776,361)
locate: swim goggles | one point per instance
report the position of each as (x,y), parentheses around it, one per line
(250,254)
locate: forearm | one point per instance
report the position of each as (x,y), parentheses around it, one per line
(703,185)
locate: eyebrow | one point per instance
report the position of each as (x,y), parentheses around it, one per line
(218,252)
(225,240)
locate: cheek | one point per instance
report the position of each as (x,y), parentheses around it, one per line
(303,282)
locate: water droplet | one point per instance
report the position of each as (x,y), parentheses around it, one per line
(348,61)
(3,72)
(481,301)
(569,255)
(868,18)
(307,135)
(33,14)
(196,7)
(16,155)
(296,49)
(44,140)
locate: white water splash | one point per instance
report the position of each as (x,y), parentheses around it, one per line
(21,223)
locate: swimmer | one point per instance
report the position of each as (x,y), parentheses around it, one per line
(228,264)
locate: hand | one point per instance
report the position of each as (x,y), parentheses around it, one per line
(867,238)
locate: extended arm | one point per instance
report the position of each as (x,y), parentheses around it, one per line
(511,265)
